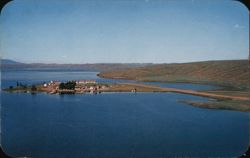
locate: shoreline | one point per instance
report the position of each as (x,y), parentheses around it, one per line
(128,87)
(226,100)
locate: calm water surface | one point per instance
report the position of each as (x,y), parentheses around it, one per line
(114,124)
(30,77)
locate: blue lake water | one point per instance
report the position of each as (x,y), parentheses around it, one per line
(114,124)
(29,77)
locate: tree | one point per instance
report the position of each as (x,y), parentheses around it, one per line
(67,85)
(33,88)
(24,86)
(62,86)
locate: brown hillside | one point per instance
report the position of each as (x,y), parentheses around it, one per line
(233,72)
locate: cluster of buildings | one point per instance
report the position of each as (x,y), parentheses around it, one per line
(81,86)
(86,82)
(51,83)
(91,89)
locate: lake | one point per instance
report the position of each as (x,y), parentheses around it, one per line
(114,124)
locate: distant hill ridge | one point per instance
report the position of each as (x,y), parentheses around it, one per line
(7,64)
(8,61)
(224,72)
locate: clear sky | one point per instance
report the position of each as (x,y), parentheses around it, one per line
(126,31)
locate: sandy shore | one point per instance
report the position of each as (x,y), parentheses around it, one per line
(191,92)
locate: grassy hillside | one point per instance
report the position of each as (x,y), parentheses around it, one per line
(229,72)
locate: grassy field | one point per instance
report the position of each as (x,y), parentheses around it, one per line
(131,87)
(231,93)
(237,105)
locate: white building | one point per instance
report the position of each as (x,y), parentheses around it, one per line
(86,81)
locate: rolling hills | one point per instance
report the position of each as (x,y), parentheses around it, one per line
(225,72)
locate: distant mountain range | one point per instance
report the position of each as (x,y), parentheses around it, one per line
(8,61)
(7,64)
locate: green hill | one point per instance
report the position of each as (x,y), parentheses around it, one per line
(226,72)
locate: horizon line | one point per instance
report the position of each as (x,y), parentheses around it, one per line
(121,62)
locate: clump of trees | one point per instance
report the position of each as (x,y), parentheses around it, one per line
(67,85)
(33,88)
(21,85)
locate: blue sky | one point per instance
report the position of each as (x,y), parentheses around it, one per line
(127,31)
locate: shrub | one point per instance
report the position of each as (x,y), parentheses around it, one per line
(33,88)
